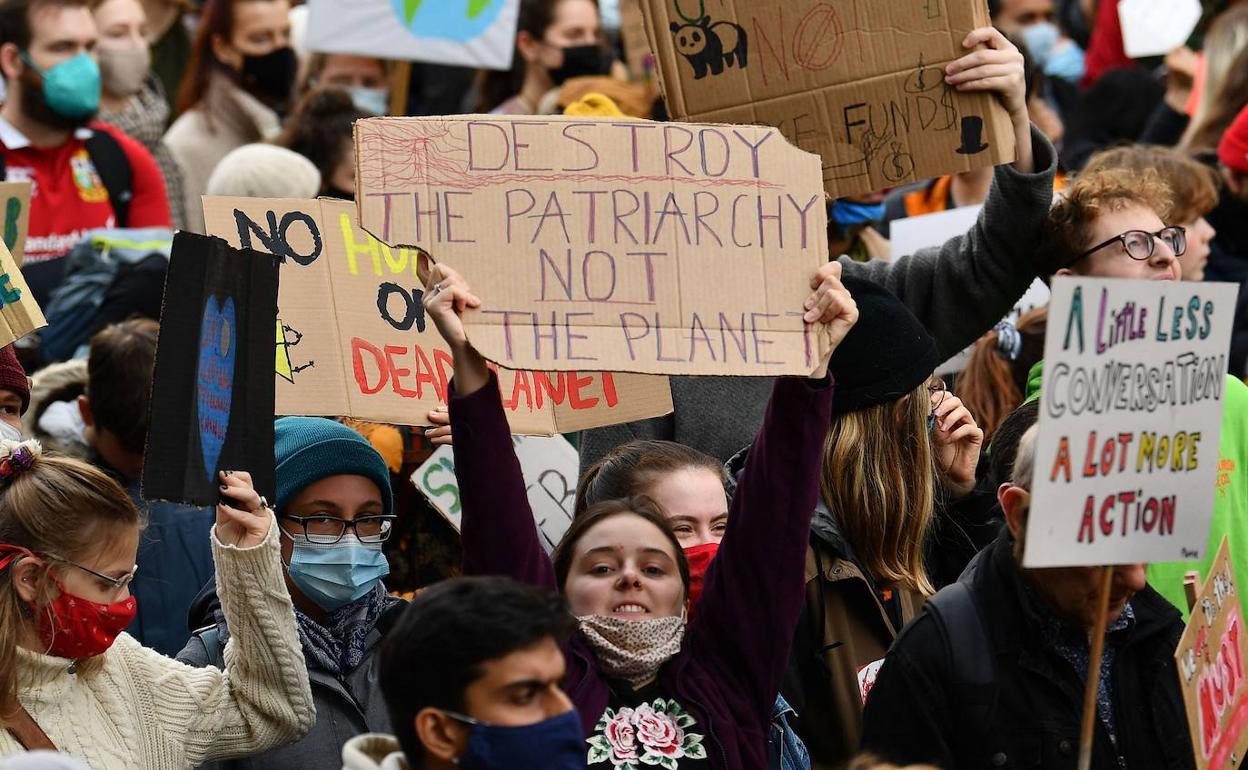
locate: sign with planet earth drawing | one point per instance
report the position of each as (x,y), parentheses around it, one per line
(469,33)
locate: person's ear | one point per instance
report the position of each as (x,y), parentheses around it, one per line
(84,409)
(1015,503)
(528,46)
(25,577)
(441,736)
(11,63)
(226,53)
(1063,271)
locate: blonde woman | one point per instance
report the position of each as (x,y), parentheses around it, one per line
(72,680)
(896,437)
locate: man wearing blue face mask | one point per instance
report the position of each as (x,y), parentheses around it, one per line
(85,174)
(335,509)
(1036,22)
(471,675)
(852,224)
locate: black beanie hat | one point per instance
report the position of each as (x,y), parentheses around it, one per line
(886,355)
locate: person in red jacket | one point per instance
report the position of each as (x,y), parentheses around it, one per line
(49,137)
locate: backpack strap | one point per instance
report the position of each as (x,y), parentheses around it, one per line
(210,637)
(969,654)
(27,731)
(113,166)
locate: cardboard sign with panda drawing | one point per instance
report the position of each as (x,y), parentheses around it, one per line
(859,82)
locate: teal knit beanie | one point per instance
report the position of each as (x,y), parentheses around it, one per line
(308,449)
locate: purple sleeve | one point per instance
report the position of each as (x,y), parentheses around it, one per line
(497,531)
(755,588)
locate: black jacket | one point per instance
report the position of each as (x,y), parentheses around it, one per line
(916,713)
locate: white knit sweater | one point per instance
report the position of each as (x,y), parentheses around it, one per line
(143,710)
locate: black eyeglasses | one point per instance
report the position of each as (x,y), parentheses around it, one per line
(327,530)
(1140,244)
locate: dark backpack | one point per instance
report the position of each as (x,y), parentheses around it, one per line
(974,674)
(112,165)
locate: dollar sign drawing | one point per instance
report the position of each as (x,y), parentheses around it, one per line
(901,163)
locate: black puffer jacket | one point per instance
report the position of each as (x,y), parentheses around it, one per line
(917,714)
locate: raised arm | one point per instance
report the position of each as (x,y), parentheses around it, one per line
(497,529)
(262,699)
(961,289)
(754,590)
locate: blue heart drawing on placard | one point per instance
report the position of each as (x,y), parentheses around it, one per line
(215,379)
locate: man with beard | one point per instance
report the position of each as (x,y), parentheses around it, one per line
(49,137)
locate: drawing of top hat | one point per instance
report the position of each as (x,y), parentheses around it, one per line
(972,135)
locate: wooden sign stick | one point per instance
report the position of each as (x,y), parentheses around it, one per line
(1094,671)
(400,83)
(1191,589)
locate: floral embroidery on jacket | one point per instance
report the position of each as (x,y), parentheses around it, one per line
(651,735)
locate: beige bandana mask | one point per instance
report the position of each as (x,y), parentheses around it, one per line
(633,650)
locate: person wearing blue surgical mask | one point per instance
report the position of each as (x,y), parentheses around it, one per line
(365,78)
(335,509)
(1036,22)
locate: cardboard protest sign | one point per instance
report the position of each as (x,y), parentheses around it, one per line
(1156,27)
(636,47)
(15,213)
(353,340)
(19,313)
(1210,660)
(212,389)
(469,33)
(1130,420)
(910,234)
(549,465)
(619,245)
(859,82)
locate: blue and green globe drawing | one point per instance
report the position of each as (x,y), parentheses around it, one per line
(459,20)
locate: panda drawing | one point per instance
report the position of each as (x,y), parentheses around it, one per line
(710,46)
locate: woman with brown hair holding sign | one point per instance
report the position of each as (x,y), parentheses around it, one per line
(72,680)
(652,687)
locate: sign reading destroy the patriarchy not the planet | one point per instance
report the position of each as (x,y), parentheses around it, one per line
(859,82)
(468,33)
(617,245)
(352,338)
(1130,420)
(1210,662)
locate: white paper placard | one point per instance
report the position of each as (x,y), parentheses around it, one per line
(549,465)
(1156,27)
(469,33)
(910,234)
(1130,420)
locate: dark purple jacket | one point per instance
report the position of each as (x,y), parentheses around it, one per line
(735,649)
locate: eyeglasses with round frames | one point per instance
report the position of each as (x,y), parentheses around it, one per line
(1140,244)
(327,530)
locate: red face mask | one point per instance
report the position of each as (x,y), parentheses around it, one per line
(75,628)
(699,558)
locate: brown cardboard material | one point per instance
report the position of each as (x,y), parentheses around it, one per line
(15,216)
(636,46)
(353,340)
(859,82)
(19,313)
(617,245)
(1211,665)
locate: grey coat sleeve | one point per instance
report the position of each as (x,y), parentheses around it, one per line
(962,289)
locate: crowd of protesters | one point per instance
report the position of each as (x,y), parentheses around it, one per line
(782,573)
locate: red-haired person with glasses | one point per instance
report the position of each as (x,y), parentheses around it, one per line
(335,511)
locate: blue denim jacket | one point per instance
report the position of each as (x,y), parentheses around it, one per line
(785,751)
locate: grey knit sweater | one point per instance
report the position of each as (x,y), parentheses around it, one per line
(958,290)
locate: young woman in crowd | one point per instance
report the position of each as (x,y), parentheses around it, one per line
(334,512)
(131,96)
(71,680)
(365,78)
(650,686)
(321,130)
(555,40)
(240,78)
(1226,39)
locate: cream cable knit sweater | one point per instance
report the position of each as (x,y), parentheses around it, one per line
(143,710)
